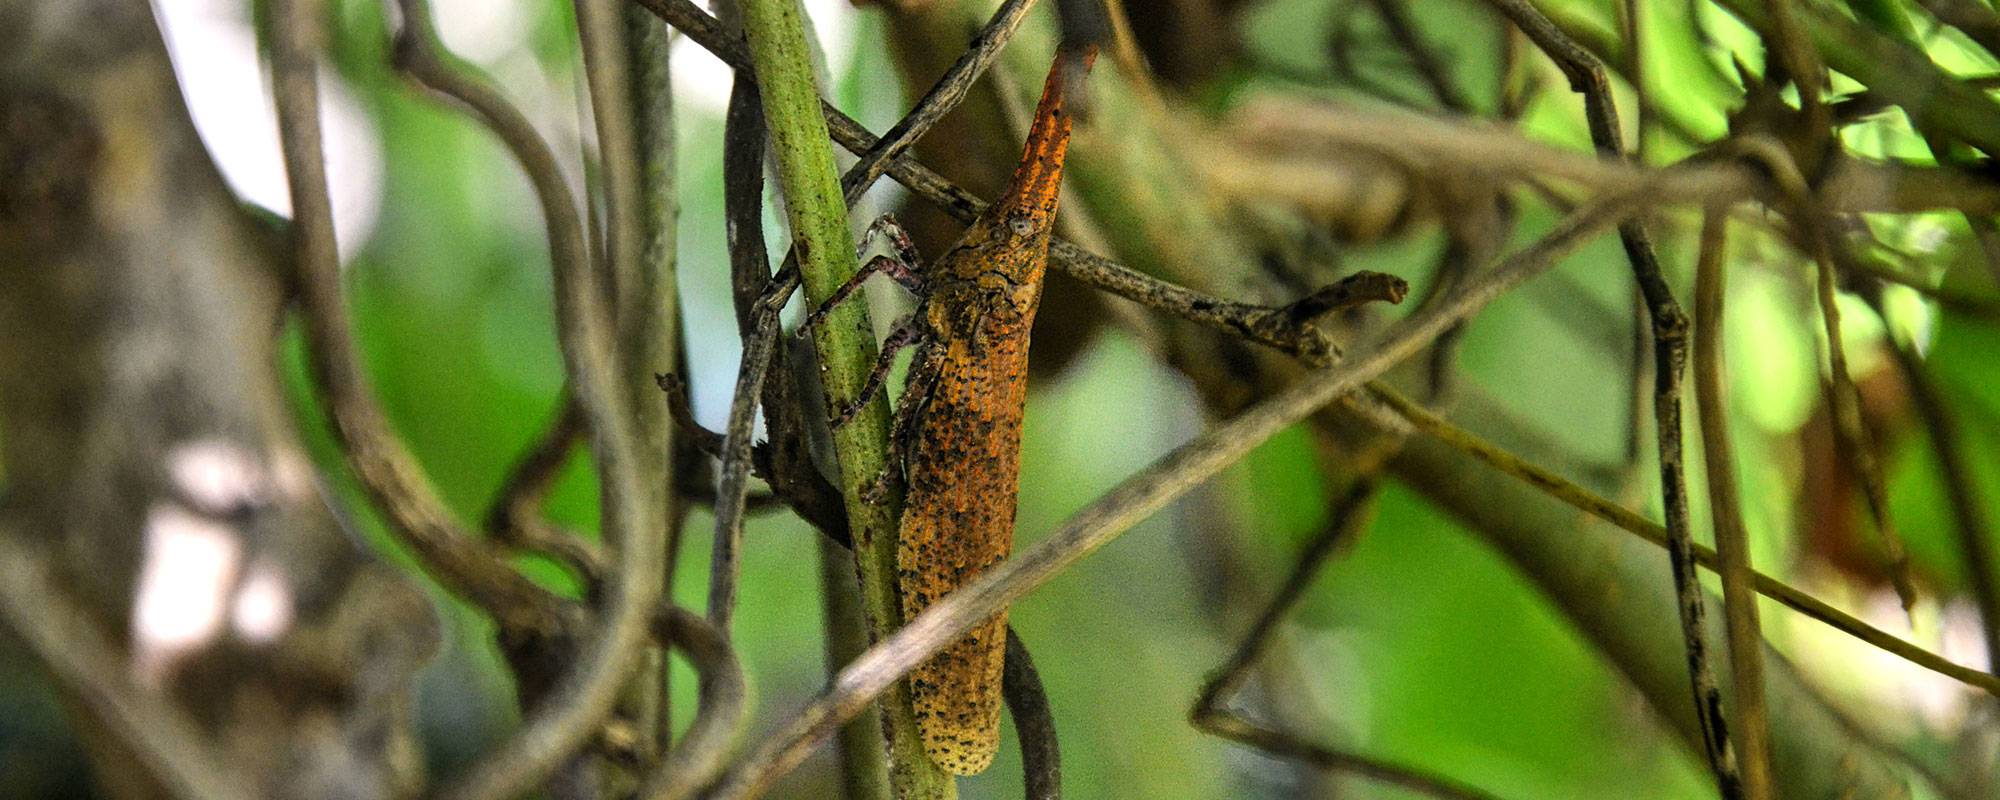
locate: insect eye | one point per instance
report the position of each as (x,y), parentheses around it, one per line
(1021,226)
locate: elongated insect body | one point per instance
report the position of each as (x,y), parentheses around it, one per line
(962,454)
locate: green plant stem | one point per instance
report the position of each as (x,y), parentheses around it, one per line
(776,33)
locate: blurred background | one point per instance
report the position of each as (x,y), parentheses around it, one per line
(1417,644)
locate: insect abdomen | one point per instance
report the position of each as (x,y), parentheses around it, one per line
(958,521)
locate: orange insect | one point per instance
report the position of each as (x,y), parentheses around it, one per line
(958,424)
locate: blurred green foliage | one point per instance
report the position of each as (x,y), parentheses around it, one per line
(1417,644)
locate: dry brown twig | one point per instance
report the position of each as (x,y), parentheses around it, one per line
(1669,330)
(1137,497)
(1288,329)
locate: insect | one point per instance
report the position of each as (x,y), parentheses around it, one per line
(957,429)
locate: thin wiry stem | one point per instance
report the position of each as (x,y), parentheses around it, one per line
(514,517)
(785,461)
(1851,431)
(1267,325)
(1732,540)
(944,95)
(390,474)
(734,486)
(574,708)
(1212,711)
(1139,496)
(1589,502)
(721,705)
(1815,231)
(1034,722)
(1670,329)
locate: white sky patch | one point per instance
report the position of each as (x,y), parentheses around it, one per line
(481,30)
(216,475)
(190,568)
(229,95)
(263,608)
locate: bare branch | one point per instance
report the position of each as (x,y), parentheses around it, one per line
(1034,722)
(588,690)
(720,711)
(1137,497)
(1732,540)
(1670,324)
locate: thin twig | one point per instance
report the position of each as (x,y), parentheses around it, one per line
(395,482)
(1034,722)
(785,461)
(734,484)
(1589,502)
(67,639)
(513,519)
(1851,431)
(1732,540)
(1212,711)
(1137,497)
(944,95)
(1815,231)
(1265,325)
(823,245)
(1968,510)
(721,705)
(1670,329)
(569,714)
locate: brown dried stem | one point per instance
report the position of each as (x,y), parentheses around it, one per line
(1137,497)
(721,705)
(1732,540)
(1034,722)
(1670,329)
(1265,325)
(587,691)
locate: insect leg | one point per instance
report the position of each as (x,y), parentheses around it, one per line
(924,373)
(908,332)
(910,264)
(905,267)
